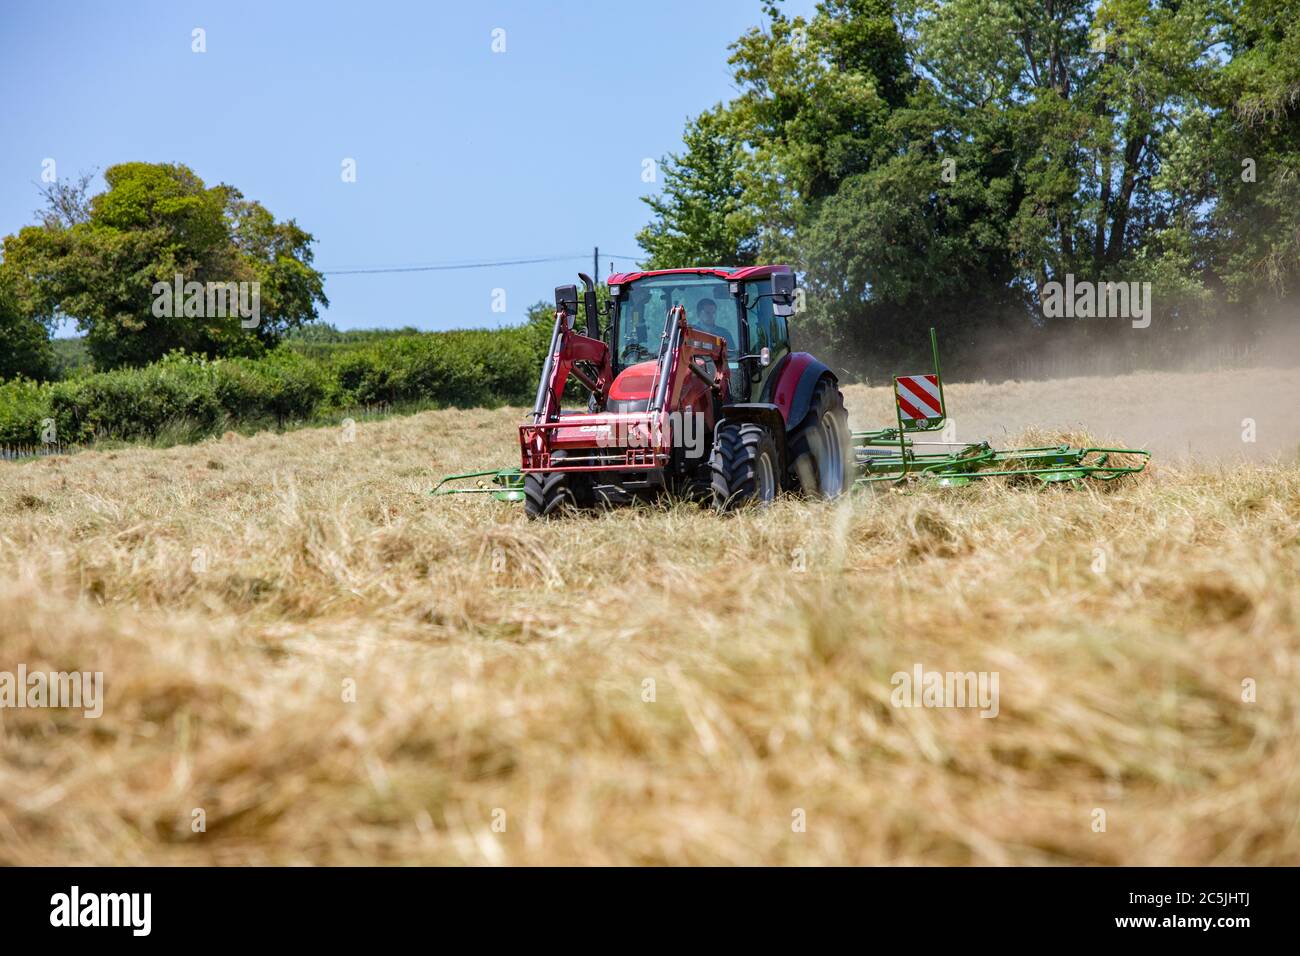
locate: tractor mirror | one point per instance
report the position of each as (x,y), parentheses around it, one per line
(783,293)
(566,298)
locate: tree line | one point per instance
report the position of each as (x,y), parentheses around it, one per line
(946,163)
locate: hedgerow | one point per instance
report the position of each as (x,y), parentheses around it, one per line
(189,397)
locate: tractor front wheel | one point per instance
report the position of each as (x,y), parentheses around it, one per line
(547,494)
(746,467)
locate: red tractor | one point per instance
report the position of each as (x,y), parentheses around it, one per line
(692,389)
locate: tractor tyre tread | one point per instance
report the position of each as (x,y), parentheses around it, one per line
(735,463)
(807,442)
(550,493)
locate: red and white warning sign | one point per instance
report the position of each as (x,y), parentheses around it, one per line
(918,396)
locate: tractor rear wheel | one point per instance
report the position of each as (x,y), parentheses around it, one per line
(821,451)
(549,493)
(746,467)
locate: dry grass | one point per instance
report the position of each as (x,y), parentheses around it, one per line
(500,665)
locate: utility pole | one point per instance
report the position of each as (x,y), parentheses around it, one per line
(595,265)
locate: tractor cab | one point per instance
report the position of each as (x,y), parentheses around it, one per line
(746,308)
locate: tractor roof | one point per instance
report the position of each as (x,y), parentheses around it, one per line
(736,273)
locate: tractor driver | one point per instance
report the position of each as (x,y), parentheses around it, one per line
(638,345)
(708,310)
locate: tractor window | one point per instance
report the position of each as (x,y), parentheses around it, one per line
(641,322)
(644,309)
(759,315)
(768,328)
(780,334)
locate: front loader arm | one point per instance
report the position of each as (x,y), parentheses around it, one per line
(569,348)
(684,349)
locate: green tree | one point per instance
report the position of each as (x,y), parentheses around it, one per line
(865,178)
(939,161)
(700,216)
(1244,159)
(154,222)
(25,347)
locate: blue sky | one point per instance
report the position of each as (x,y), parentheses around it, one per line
(462,154)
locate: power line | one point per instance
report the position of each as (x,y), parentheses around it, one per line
(452,266)
(448,266)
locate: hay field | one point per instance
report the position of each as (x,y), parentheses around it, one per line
(322,664)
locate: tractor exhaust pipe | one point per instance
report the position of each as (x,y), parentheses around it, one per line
(589,303)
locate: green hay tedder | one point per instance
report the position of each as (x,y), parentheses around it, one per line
(508,482)
(891,454)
